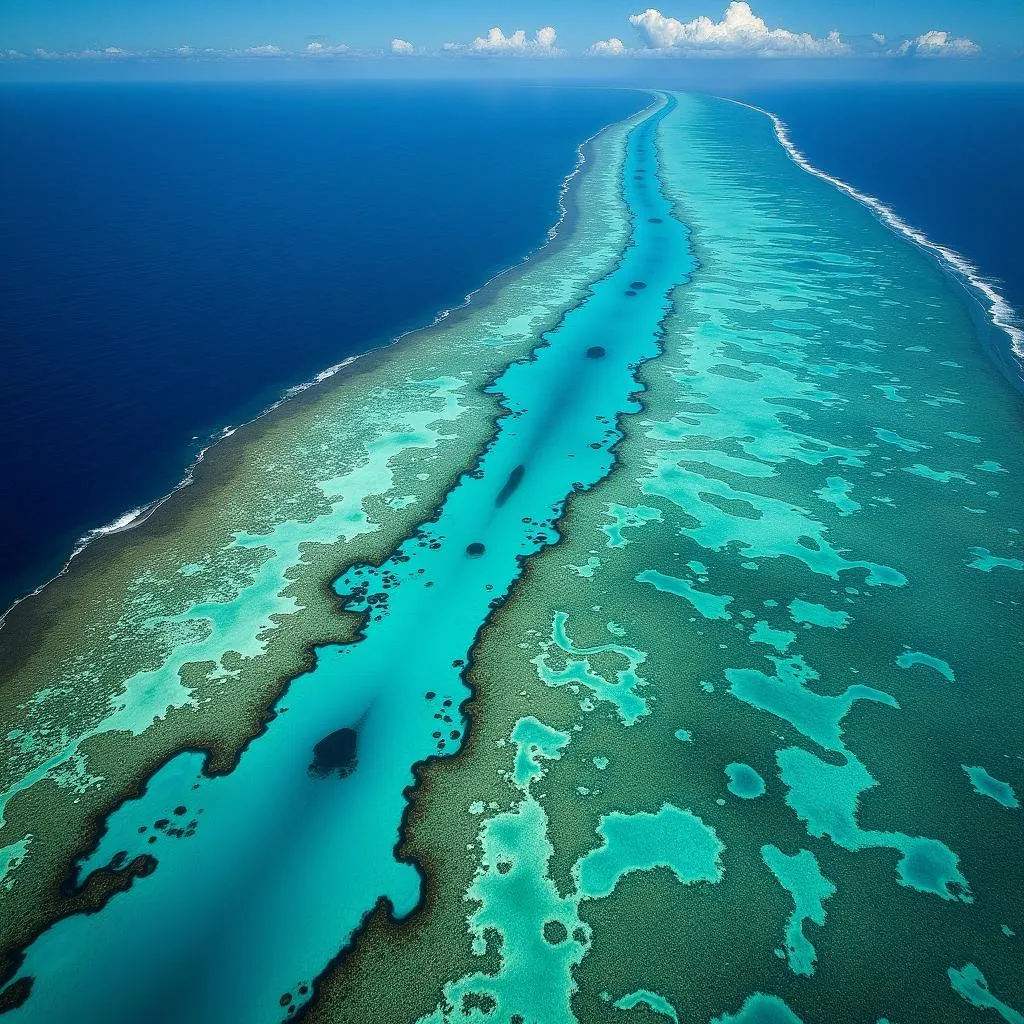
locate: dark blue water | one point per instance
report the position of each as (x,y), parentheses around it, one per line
(172,257)
(949,159)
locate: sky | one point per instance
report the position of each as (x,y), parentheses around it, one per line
(601,31)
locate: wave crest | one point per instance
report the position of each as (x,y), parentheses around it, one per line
(1000,312)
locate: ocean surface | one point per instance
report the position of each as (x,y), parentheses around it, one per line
(174,257)
(948,159)
(684,674)
(179,255)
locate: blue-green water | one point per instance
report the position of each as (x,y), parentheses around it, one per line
(272,840)
(731,592)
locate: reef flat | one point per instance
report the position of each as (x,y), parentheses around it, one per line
(692,549)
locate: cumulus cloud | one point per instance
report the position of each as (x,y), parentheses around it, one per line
(879,37)
(938,44)
(740,33)
(267,50)
(497,43)
(318,49)
(613,47)
(401,46)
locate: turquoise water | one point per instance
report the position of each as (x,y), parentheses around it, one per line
(273,842)
(745,743)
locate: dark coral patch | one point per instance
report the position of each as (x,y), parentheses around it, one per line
(515,478)
(475,550)
(15,995)
(335,755)
(639,285)
(478,1001)
(595,352)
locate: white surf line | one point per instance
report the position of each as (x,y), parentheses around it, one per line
(136,516)
(1000,312)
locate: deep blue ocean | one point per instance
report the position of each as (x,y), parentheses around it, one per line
(174,256)
(949,159)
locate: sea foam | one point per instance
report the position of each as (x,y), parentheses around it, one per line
(1000,312)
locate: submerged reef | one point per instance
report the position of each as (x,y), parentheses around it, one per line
(626,645)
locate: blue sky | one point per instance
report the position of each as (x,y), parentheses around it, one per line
(286,27)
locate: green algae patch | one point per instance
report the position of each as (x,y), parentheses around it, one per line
(985,561)
(908,659)
(971,984)
(760,1009)
(711,606)
(657,1003)
(744,781)
(986,785)
(787,695)
(623,692)
(808,613)
(827,796)
(670,838)
(800,875)
(763,633)
(837,492)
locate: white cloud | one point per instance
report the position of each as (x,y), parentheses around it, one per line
(107,53)
(879,37)
(312,50)
(546,36)
(938,44)
(496,42)
(401,46)
(613,47)
(318,49)
(740,33)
